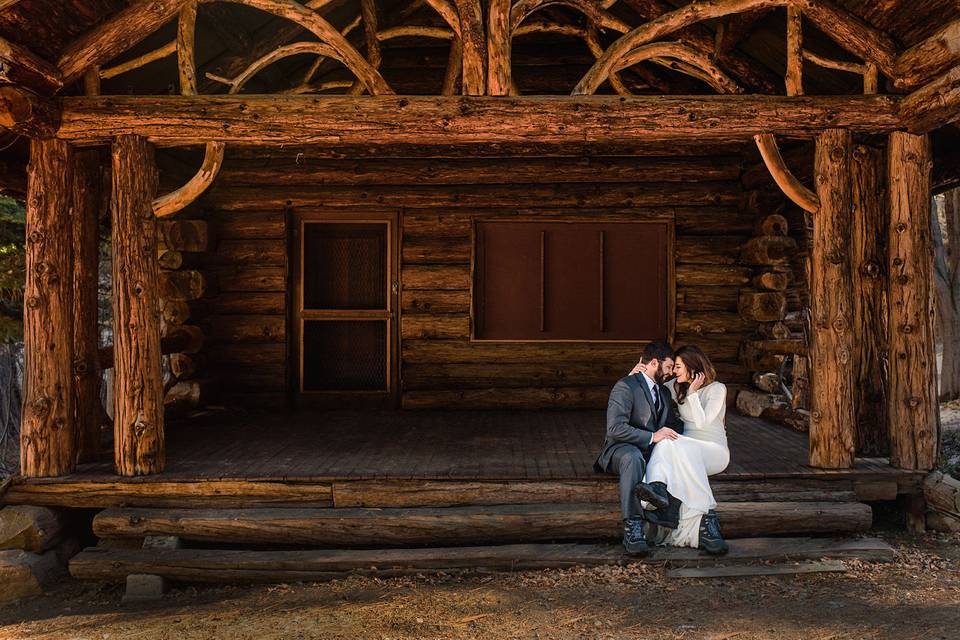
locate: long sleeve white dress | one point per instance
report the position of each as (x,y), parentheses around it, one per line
(685,464)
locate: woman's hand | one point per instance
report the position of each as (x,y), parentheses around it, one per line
(636,368)
(664,433)
(697,382)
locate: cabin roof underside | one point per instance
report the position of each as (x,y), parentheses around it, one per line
(543,63)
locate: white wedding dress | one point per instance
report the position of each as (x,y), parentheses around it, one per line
(684,464)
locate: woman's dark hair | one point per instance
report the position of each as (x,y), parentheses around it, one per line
(696,361)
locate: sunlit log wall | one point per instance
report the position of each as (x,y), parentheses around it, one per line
(436,199)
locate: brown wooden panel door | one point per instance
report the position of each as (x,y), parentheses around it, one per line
(345,310)
(590,281)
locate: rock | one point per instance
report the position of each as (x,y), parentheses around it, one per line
(768,382)
(144,587)
(29,528)
(23,574)
(162,543)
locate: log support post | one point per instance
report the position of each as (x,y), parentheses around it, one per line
(832,415)
(84,224)
(138,409)
(869,271)
(912,399)
(48,436)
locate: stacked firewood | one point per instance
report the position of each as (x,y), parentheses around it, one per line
(769,253)
(181,286)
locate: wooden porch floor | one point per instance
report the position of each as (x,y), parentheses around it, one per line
(433,458)
(444,445)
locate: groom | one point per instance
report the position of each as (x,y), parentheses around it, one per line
(640,413)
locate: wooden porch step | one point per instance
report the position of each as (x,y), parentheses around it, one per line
(204,565)
(153,492)
(358,527)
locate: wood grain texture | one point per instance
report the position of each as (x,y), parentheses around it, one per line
(25,113)
(473,36)
(499,40)
(353,527)
(868,257)
(115,35)
(928,58)
(912,401)
(290,119)
(84,224)
(832,412)
(20,66)
(933,105)
(290,566)
(138,412)
(48,432)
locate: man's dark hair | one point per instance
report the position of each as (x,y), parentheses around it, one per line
(658,350)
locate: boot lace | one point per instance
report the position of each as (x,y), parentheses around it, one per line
(712,525)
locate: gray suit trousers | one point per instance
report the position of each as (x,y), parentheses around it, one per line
(627,462)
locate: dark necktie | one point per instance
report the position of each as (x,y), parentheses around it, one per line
(656,399)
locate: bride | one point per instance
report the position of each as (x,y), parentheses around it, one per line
(677,483)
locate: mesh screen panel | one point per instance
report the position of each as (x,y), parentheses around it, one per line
(344,266)
(341,355)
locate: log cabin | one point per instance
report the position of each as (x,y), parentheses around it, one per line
(376,265)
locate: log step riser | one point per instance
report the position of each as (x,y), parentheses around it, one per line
(458,525)
(197,565)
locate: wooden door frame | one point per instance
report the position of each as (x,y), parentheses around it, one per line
(361,398)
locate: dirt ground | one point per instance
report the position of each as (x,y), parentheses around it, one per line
(917,596)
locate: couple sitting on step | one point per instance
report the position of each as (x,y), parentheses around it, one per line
(665,436)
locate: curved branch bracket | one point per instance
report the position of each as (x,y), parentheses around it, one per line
(788,183)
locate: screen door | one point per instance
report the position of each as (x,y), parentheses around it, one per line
(346,307)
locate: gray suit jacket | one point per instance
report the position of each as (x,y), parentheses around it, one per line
(632,420)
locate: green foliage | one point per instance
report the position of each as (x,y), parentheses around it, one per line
(12,268)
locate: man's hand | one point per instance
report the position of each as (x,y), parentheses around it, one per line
(664,433)
(636,368)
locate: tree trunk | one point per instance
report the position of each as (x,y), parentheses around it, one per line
(868,257)
(138,414)
(912,400)
(84,223)
(946,237)
(832,415)
(48,437)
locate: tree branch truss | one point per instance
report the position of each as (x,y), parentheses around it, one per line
(479,60)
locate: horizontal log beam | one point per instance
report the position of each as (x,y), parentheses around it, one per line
(241,566)
(288,119)
(926,59)
(25,113)
(19,65)
(934,105)
(352,527)
(116,35)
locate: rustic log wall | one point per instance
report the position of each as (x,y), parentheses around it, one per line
(437,200)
